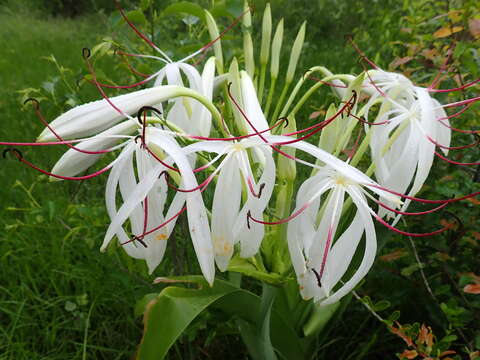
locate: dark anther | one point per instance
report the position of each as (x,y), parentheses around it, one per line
(229,85)
(317,275)
(136,238)
(260,190)
(17,153)
(164,173)
(144,109)
(137,137)
(86,53)
(34,102)
(249,215)
(348,37)
(285,120)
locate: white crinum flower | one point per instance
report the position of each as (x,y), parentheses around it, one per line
(153,189)
(316,257)
(229,221)
(403,149)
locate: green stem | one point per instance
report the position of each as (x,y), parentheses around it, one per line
(270,96)
(262,83)
(280,101)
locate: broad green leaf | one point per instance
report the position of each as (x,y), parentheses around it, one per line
(184,7)
(246,306)
(168,315)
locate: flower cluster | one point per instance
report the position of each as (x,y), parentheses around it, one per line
(174,144)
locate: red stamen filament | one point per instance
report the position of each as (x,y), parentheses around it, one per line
(459,130)
(455,162)
(326,251)
(138,32)
(463,87)
(477,142)
(383,222)
(86,55)
(85,177)
(140,237)
(426,201)
(281,221)
(410,213)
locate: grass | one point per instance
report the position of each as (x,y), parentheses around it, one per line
(59,297)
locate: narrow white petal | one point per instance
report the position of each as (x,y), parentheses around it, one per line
(73,162)
(370,249)
(252,107)
(93,117)
(196,212)
(225,207)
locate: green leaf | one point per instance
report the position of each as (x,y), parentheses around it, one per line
(142,304)
(246,306)
(168,315)
(184,7)
(382,305)
(136,16)
(264,340)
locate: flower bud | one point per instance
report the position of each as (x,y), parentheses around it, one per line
(266,35)
(214,35)
(276,48)
(296,51)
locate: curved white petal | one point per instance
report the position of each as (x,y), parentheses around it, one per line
(196,212)
(370,249)
(96,116)
(225,207)
(252,109)
(74,162)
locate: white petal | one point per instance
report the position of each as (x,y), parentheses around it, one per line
(370,250)
(225,207)
(74,162)
(252,109)
(110,195)
(196,212)
(136,196)
(96,116)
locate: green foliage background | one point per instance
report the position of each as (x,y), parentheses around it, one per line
(61,299)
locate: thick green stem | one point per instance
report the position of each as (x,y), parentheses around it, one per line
(270,96)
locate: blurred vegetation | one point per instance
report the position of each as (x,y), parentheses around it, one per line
(60,298)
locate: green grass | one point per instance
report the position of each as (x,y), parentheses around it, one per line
(59,297)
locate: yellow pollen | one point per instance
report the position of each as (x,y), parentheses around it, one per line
(237,147)
(221,246)
(161,236)
(340,180)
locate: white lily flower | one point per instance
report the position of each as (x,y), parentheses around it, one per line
(403,149)
(319,262)
(230,224)
(150,187)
